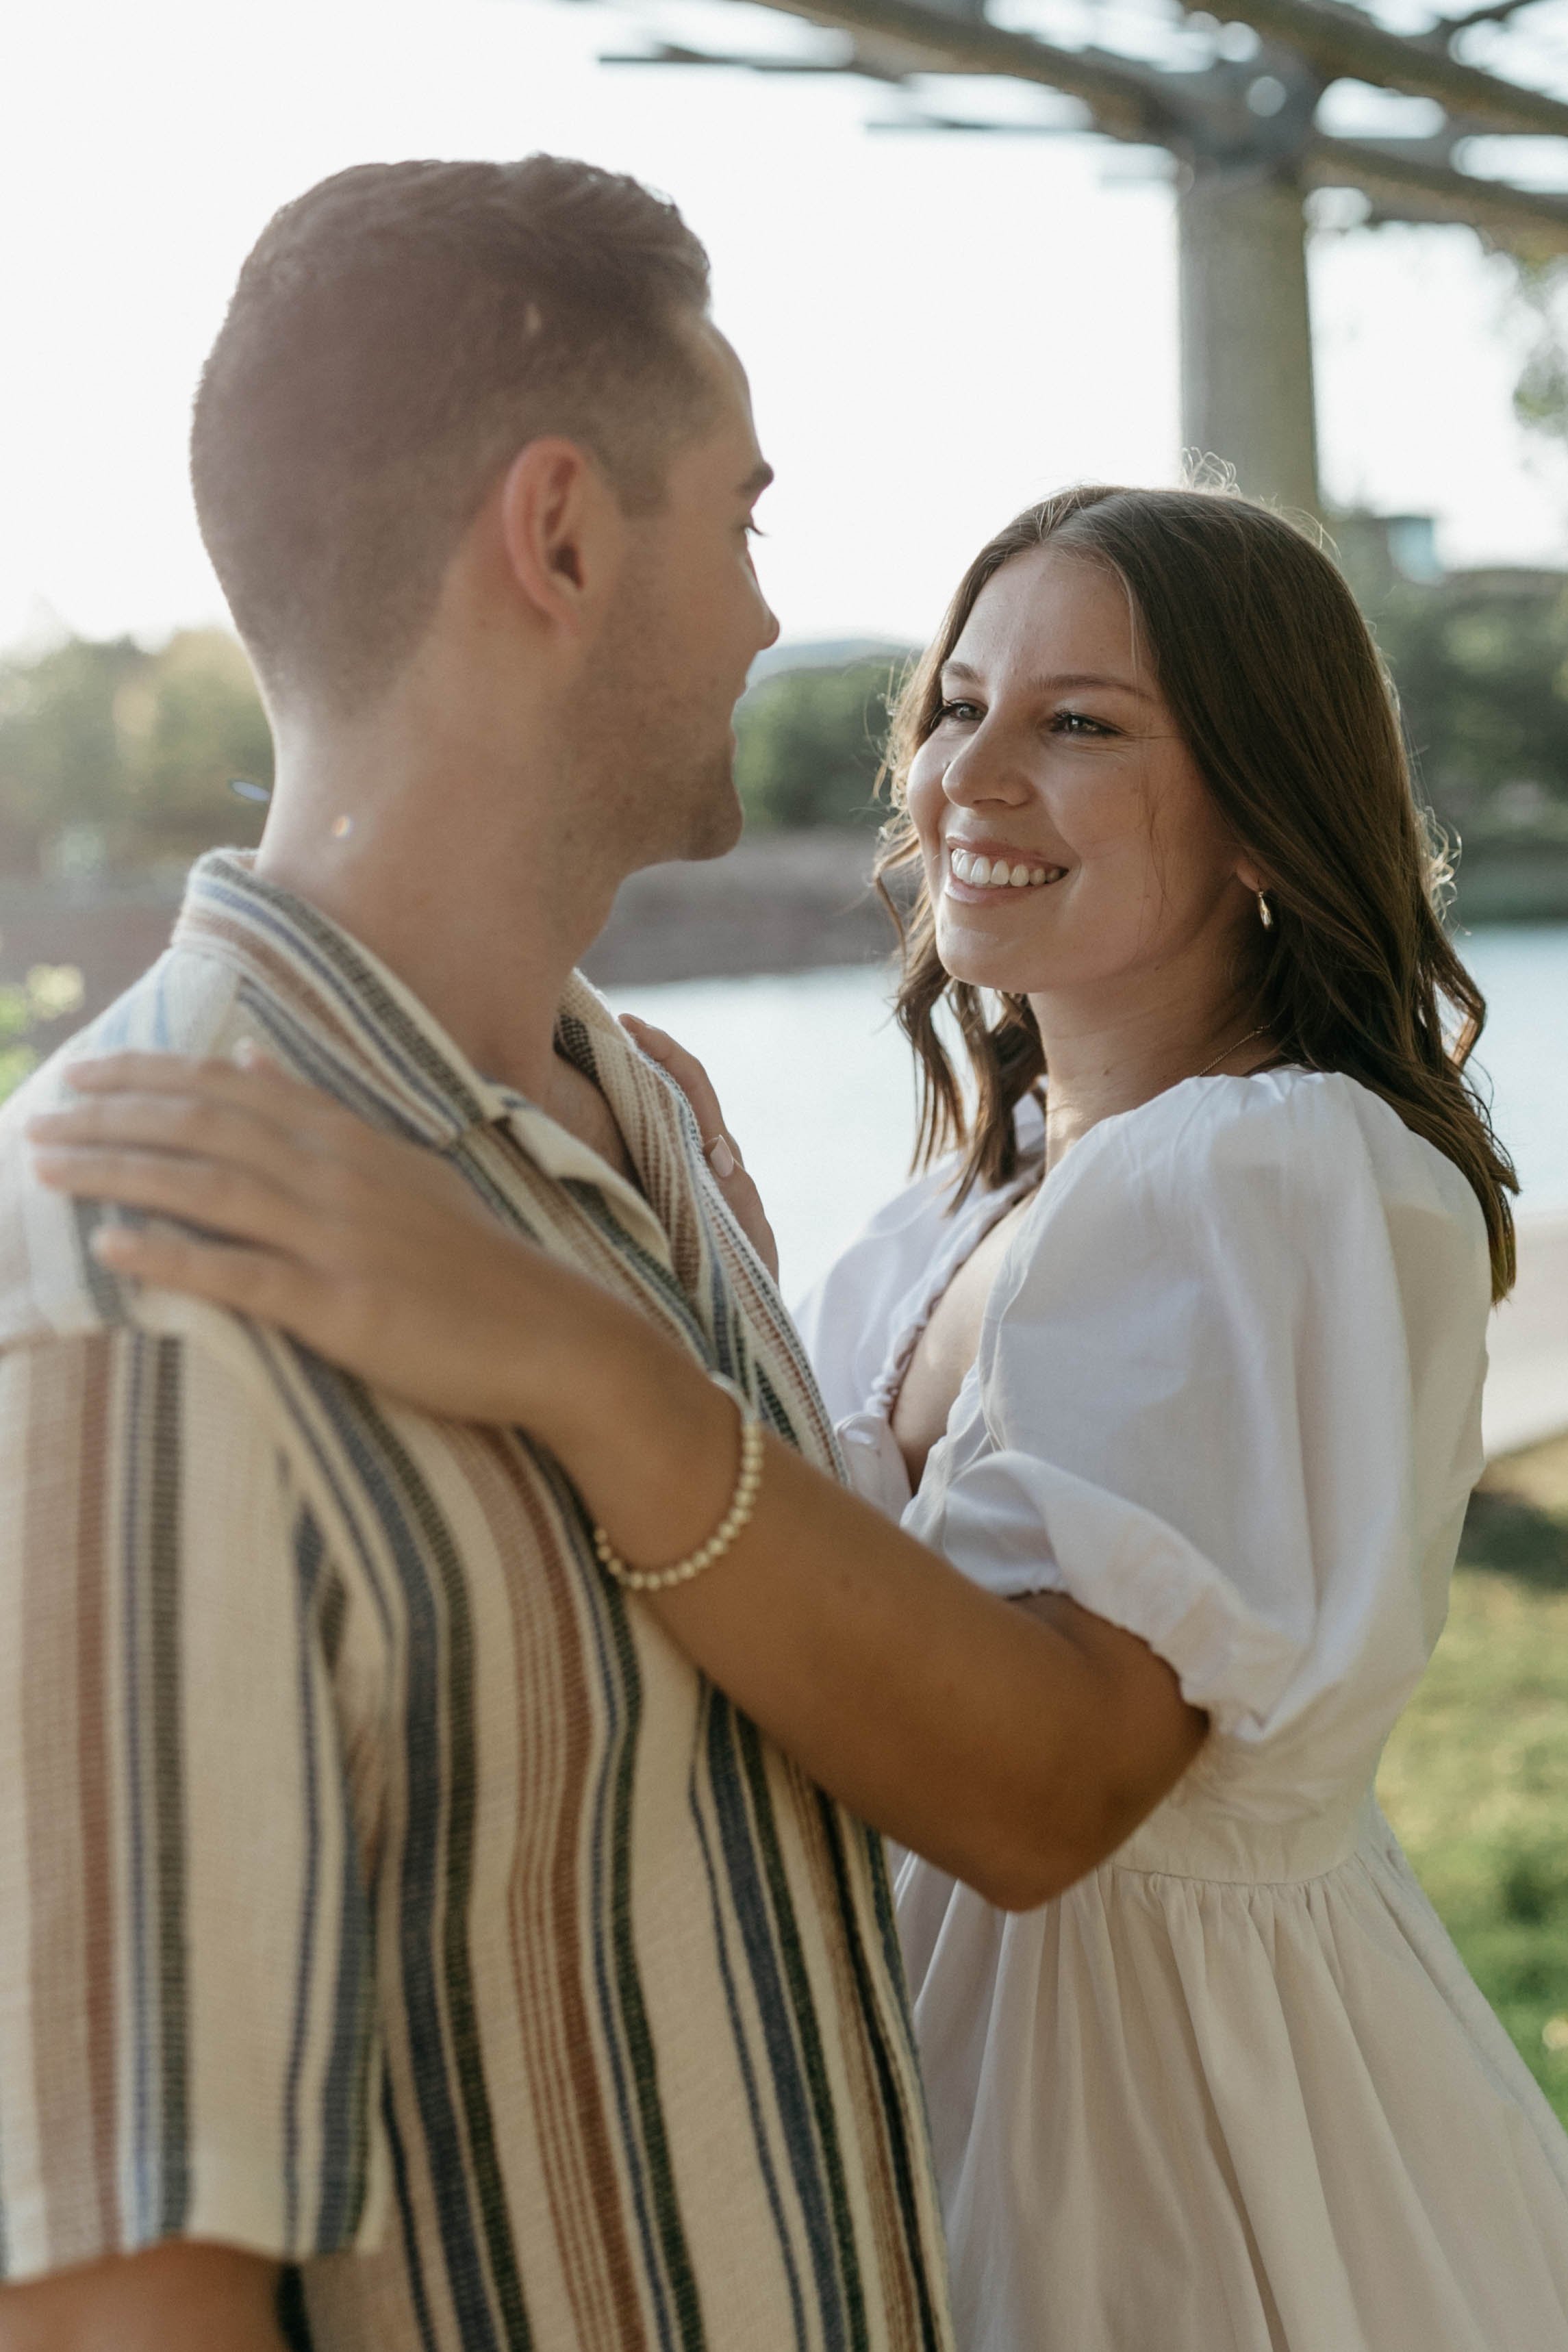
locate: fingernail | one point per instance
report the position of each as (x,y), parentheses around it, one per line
(246,1052)
(722,1160)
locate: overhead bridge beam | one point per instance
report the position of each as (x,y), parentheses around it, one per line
(1247,355)
(910,38)
(1344,44)
(1338,41)
(1139,105)
(1527,221)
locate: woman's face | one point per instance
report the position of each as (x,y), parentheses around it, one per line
(1056,762)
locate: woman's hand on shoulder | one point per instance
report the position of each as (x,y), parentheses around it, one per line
(293,1210)
(724,1153)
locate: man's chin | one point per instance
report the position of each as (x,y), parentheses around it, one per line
(717,823)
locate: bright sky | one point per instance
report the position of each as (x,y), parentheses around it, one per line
(938,328)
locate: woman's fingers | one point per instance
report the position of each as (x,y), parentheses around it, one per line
(163,1122)
(256,1079)
(248,1281)
(254,1119)
(180,1150)
(691,1078)
(722,1151)
(257,1089)
(233,1200)
(453,1314)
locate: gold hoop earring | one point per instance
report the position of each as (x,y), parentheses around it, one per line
(1265,912)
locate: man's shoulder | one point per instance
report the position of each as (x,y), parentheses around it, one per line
(49,1286)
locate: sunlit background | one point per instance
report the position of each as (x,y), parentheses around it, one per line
(940,326)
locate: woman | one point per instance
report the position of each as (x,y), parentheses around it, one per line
(1184,1361)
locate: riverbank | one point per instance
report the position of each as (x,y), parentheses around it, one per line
(781,902)
(771,964)
(1527,1385)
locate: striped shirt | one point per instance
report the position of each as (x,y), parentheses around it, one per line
(380,1889)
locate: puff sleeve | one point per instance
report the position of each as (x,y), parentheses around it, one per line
(1227,1397)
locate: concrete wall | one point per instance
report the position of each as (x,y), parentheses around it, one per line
(779,903)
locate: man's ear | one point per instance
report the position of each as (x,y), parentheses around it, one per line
(561,530)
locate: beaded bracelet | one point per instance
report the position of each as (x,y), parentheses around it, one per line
(742,1503)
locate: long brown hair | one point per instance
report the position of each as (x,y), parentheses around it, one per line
(1278,693)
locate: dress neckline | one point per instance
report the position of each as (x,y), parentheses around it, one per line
(966,1231)
(969,1226)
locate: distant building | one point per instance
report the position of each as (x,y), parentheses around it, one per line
(1379,551)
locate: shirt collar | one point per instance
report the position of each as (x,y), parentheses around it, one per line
(335,1011)
(343,1021)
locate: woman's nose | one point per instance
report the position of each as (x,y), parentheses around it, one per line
(982,770)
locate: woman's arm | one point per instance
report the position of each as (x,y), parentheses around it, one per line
(1016,1748)
(179,2296)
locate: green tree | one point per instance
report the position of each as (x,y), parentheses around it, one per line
(1541,395)
(1480,662)
(811,744)
(59,749)
(1481,666)
(49,991)
(185,728)
(112,756)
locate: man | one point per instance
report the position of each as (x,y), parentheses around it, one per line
(401,1945)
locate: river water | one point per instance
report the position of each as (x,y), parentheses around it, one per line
(817,1082)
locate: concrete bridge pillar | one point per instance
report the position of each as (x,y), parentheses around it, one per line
(1246,338)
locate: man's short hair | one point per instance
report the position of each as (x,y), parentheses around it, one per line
(397,334)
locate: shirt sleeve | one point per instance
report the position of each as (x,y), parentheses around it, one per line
(188,2041)
(1230,1379)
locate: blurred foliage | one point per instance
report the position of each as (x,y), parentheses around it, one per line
(1480,662)
(1475,1776)
(114,758)
(1541,395)
(1481,666)
(811,744)
(49,993)
(111,757)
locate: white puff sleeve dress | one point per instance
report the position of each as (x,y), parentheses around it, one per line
(1234,2091)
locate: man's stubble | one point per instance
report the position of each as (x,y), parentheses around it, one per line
(657,756)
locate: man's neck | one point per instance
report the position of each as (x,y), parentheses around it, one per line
(482,914)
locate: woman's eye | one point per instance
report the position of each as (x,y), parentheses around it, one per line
(958,710)
(1078,722)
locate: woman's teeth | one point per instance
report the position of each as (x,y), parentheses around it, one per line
(996,874)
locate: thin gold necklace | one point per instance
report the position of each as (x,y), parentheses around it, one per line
(1226,1051)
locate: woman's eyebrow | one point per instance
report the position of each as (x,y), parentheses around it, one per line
(1055,683)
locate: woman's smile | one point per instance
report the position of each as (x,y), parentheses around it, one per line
(976,872)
